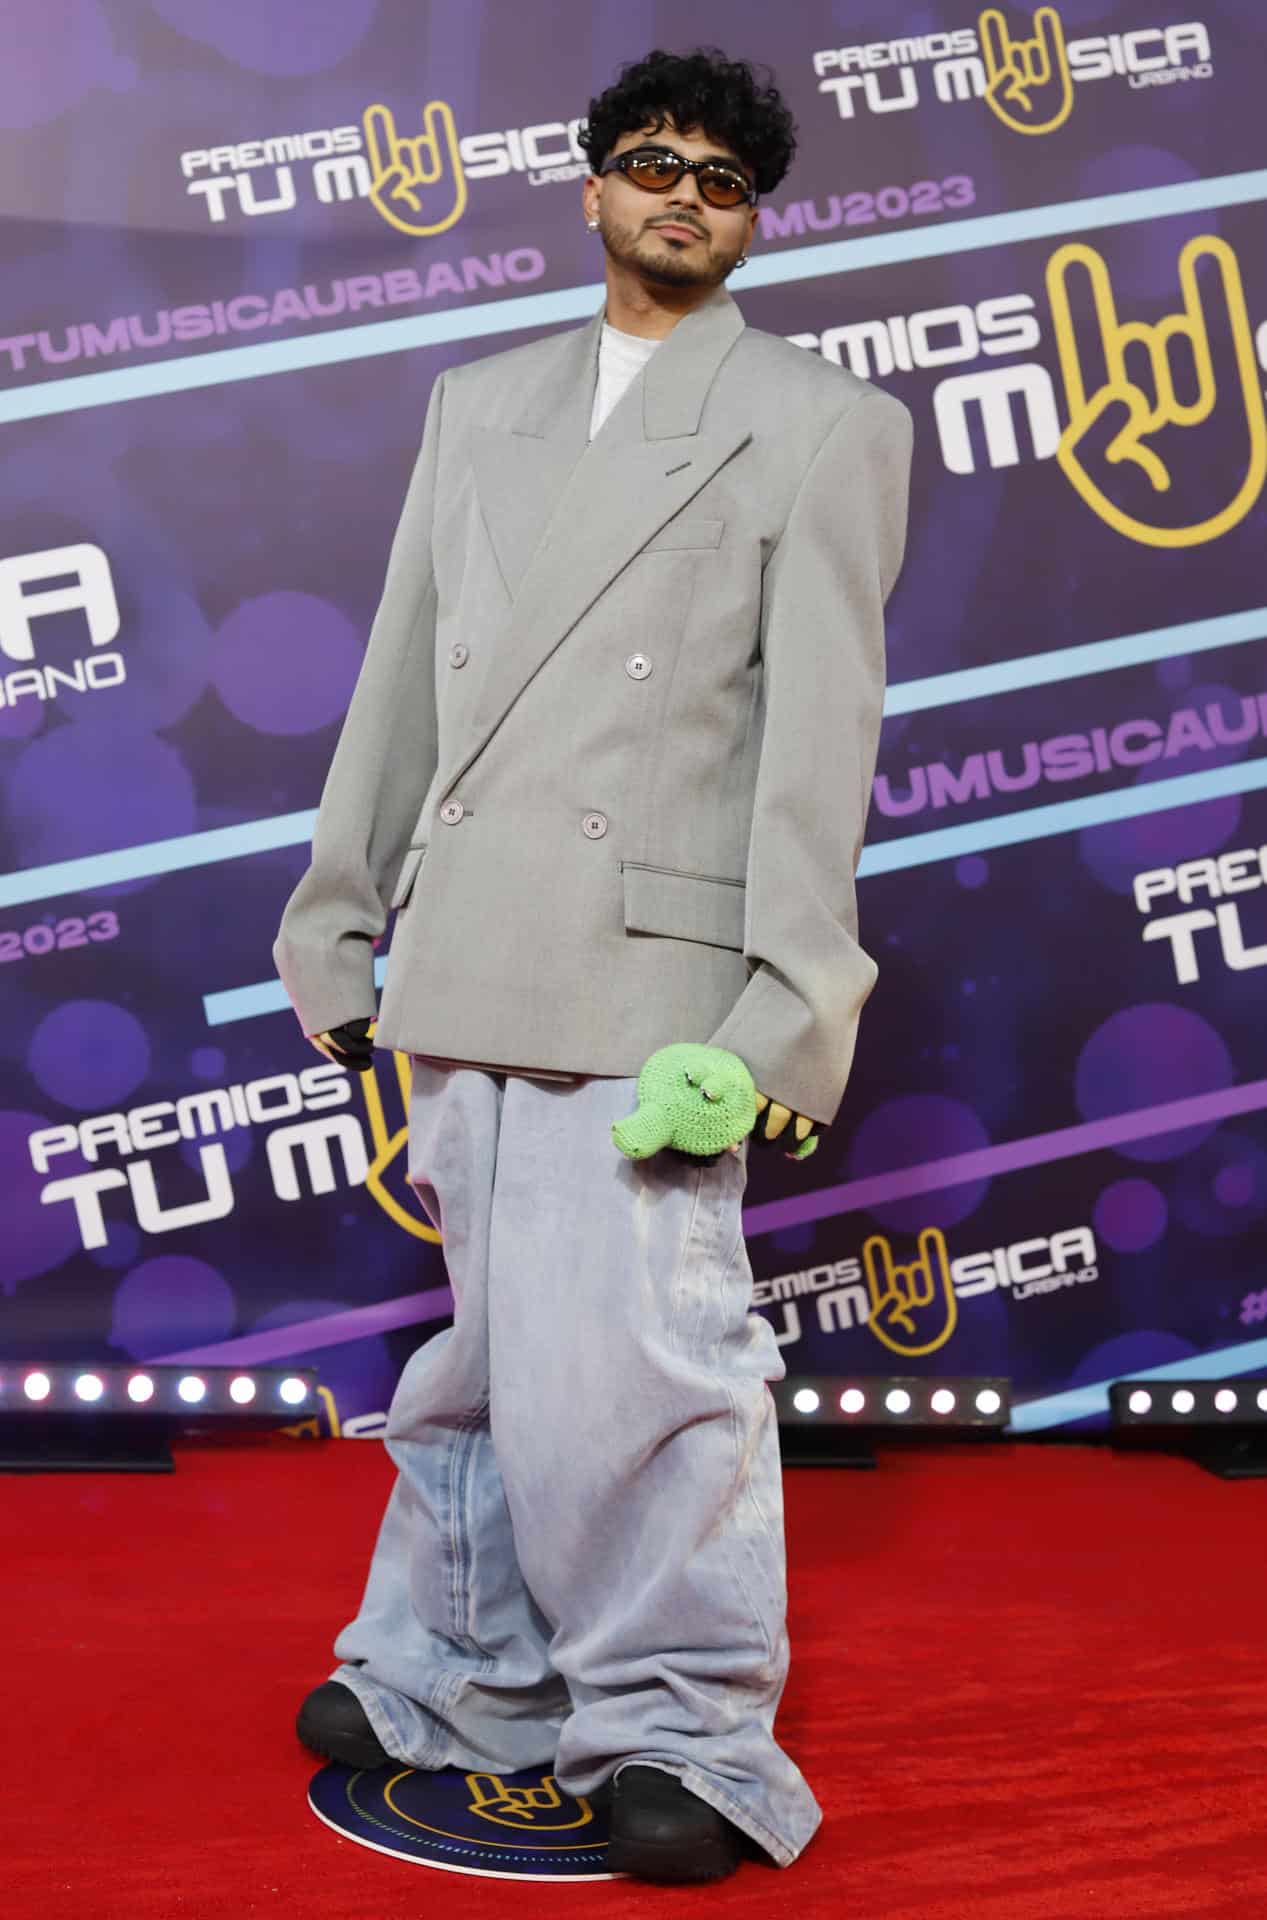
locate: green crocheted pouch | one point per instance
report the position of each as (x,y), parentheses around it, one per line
(699,1099)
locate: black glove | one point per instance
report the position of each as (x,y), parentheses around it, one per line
(778,1126)
(348,1046)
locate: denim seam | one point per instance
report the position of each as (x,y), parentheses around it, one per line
(741,1471)
(774,1537)
(460,1466)
(741,1485)
(679,1283)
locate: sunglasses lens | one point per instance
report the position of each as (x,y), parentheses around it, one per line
(655,171)
(719,188)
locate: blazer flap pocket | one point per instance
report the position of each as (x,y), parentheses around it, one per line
(686,906)
(687,531)
(408,874)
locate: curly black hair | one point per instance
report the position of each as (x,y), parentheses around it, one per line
(698,89)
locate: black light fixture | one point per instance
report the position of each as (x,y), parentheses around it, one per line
(1221,1425)
(834,1420)
(59,1418)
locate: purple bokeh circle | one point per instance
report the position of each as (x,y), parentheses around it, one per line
(1143,255)
(286,663)
(1221,1189)
(37,1238)
(270,39)
(1131,1215)
(49,73)
(89,1054)
(1234,1185)
(78,790)
(123,1245)
(171,1303)
(1145,1057)
(1119,849)
(236,1144)
(794,1241)
(1130,1353)
(906,1132)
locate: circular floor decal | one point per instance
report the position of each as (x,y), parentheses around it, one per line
(518,1826)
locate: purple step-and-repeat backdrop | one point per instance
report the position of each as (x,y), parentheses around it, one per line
(239,244)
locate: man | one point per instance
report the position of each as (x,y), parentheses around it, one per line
(609,758)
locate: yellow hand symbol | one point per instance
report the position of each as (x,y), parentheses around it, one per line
(526,1806)
(896,1292)
(1122,383)
(1018,70)
(391,1150)
(399,165)
(776,1120)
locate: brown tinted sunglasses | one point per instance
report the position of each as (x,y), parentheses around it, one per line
(656,169)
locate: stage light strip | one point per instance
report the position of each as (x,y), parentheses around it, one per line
(413,331)
(1074,663)
(1058,1409)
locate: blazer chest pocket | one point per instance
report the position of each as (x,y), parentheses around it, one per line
(685,906)
(688,532)
(408,874)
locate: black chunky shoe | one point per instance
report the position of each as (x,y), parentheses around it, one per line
(333,1723)
(662,1831)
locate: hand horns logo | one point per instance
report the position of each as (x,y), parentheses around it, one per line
(1028,82)
(1137,452)
(402,165)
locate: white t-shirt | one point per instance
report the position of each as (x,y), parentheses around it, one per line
(620,356)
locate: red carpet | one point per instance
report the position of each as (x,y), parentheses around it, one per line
(1028,1683)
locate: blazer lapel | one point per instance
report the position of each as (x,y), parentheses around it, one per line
(565,514)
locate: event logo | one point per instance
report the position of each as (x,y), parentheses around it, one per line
(901,1296)
(397,172)
(85,586)
(417,182)
(401,166)
(308,1149)
(1025,78)
(1140,398)
(520,1807)
(1244,871)
(912,1306)
(1150,424)
(1029,85)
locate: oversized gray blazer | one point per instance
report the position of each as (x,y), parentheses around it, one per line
(611,747)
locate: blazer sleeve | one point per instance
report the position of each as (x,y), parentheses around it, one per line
(383,765)
(822,643)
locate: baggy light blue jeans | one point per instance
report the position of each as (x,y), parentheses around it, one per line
(581,1562)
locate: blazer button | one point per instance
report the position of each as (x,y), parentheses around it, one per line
(595,825)
(459,655)
(451,812)
(637,666)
